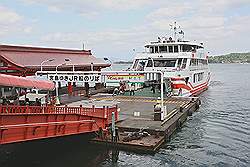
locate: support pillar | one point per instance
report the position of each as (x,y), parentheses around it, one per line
(87,89)
(70,88)
(57,94)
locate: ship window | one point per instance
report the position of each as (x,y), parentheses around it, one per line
(175,49)
(187,48)
(150,63)
(141,65)
(165,63)
(156,49)
(151,49)
(204,62)
(193,48)
(179,62)
(163,49)
(170,49)
(192,62)
(198,77)
(181,48)
(184,63)
(135,64)
(200,62)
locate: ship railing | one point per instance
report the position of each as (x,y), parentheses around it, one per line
(98,112)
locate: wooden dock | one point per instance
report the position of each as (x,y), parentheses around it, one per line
(141,133)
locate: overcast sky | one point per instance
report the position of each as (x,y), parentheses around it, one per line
(113,28)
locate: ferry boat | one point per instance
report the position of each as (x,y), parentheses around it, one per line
(184,63)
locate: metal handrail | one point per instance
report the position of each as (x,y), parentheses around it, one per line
(91,111)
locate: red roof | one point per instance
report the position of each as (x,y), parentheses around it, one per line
(22,82)
(32,57)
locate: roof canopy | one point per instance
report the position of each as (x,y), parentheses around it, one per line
(32,57)
(22,82)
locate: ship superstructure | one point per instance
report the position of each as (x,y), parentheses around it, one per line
(184,63)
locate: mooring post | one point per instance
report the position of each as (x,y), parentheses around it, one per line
(163,110)
(57,94)
(181,109)
(113,126)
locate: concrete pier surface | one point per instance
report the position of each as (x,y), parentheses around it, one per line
(137,129)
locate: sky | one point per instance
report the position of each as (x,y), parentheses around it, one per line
(118,28)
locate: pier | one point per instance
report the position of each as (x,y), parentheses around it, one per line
(137,129)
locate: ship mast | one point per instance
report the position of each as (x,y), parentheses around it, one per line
(176,30)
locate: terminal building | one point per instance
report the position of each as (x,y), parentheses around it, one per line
(26,61)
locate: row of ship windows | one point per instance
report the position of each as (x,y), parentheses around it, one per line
(179,63)
(198,62)
(173,48)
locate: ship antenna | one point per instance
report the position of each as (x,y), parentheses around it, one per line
(175,30)
(171,29)
(181,32)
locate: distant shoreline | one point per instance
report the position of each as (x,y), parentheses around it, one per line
(239,58)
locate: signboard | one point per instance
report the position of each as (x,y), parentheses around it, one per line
(78,77)
(75,78)
(135,78)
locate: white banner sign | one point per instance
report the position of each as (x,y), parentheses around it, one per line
(75,78)
(116,78)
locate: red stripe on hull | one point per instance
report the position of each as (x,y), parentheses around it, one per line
(183,86)
(194,90)
(198,91)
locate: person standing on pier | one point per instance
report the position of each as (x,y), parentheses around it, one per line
(153,88)
(132,89)
(180,92)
